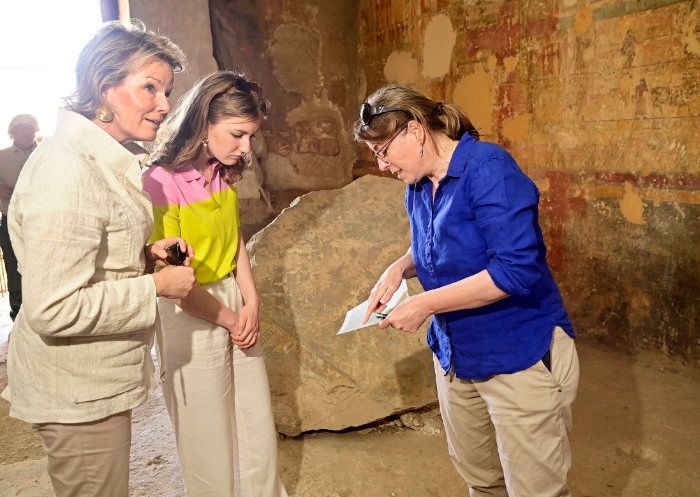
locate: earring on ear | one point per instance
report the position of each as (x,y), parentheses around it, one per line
(421,151)
(205,149)
(104,114)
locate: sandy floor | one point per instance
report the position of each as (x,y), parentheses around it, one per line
(635,435)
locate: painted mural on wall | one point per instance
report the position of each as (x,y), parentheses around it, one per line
(599,103)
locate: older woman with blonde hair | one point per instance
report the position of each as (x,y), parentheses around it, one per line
(79,359)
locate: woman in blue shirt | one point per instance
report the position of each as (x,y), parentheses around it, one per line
(505,362)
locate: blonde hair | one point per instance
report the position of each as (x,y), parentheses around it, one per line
(435,117)
(116,50)
(213,98)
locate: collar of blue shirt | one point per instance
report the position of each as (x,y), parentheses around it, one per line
(458,162)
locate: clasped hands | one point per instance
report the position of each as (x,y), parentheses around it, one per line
(244,327)
(176,282)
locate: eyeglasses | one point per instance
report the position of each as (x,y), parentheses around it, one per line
(367,112)
(382,152)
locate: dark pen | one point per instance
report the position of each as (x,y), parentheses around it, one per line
(380,315)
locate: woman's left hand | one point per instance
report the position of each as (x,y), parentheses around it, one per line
(155,252)
(247,331)
(408,316)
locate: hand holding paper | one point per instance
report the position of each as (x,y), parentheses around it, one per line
(355,316)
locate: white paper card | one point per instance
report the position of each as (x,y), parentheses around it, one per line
(353,318)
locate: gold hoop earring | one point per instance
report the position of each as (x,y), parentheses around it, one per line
(104,114)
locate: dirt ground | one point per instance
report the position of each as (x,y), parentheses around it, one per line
(635,435)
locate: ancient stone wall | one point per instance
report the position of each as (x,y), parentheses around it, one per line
(186,22)
(599,102)
(304,54)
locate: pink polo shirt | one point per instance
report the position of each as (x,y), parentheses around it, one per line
(207,219)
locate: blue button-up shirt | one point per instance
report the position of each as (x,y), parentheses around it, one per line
(485,216)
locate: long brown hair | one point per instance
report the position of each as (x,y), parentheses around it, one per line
(435,117)
(213,98)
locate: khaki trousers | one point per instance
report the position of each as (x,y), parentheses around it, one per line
(89,459)
(508,434)
(218,399)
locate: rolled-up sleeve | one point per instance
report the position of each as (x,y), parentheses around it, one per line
(61,223)
(504,202)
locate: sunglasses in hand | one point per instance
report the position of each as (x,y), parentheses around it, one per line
(176,257)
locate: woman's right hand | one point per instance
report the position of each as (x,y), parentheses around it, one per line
(157,251)
(384,289)
(174,282)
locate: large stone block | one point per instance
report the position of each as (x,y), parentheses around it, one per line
(315,261)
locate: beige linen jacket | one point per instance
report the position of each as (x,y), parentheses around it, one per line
(80,346)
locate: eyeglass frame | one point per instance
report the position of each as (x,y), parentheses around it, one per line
(368,112)
(383,152)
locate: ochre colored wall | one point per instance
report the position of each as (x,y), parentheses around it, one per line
(599,102)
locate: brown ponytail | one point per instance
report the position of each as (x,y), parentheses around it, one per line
(435,117)
(456,122)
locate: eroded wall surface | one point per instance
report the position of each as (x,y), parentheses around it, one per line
(304,54)
(600,104)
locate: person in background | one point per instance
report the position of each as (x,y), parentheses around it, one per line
(505,362)
(216,387)
(22,130)
(79,360)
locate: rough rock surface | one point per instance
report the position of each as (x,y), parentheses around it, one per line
(315,261)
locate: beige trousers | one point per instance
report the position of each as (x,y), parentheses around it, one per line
(218,399)
(508,435)
(89,459)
